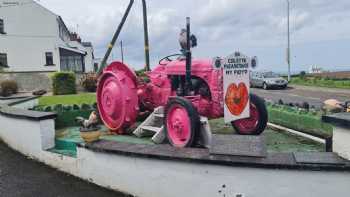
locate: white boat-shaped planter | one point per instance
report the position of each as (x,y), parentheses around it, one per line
(164,171)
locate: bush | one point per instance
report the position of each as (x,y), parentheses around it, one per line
(76,107)
(63,83)
(58,108)
(141,74)
(302,75)
(8,87)
(85,107)
(89,82)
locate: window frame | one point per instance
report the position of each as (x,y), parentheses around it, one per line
(2,26)
(47,60)
(6,60)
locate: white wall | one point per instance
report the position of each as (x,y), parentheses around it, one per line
(28,136)
(89,60)
(341,142)
(31,30)
(152,177)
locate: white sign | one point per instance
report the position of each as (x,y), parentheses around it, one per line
(236,69)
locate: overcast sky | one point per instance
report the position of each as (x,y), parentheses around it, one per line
(320,29)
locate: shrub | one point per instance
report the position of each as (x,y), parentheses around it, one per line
(94,106)
(63,83)
(48,109)
(8,87)
(58,108)
(302,75)
(67,108)
(85,107)
(89,82)
(76,107)
(141,74)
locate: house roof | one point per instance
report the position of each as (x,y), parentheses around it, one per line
(73,50)
(59,18)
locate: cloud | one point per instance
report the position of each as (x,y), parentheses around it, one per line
(222,26)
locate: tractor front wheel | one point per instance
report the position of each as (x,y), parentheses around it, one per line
(181,122)
(256,123)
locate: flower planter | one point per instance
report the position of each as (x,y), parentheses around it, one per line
(90,135)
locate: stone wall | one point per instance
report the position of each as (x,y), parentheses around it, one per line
(31,81)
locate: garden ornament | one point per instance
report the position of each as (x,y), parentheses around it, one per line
(92,122)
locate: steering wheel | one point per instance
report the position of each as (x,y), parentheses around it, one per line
(169,59)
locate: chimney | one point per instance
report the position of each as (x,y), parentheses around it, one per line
(75,37)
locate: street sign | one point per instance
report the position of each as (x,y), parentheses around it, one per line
(236,68)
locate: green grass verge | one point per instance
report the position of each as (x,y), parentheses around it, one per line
(67,138)
(87,98)
(321,82)
(306,122)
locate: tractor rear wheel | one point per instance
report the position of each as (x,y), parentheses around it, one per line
(257,122)
(117,98)
(181,122)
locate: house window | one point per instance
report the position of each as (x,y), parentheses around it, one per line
(3,60)
(2,28)
(49,58)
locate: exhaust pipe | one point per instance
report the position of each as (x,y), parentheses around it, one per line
(145,30)
(188,83)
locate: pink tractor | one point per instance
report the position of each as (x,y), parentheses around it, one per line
(187,88)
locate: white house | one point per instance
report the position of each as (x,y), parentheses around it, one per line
(34,39)
(315,69)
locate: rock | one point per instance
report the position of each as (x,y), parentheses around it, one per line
(39,92)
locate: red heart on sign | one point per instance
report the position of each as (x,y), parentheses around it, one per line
(236,98)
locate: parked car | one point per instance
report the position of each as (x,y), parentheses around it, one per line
(267,80)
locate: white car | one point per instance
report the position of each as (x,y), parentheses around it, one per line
(267,80)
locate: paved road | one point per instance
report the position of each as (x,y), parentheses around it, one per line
(21,177)
(298,94)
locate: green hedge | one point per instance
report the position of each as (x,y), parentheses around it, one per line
(67,118)
(66,114)
(300,120)
(63,83)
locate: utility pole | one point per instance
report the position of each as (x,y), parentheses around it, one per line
(288,37)
(145,29)
(122,51)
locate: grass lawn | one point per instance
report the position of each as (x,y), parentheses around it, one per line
(275,141)
(322,82)
(87,98)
